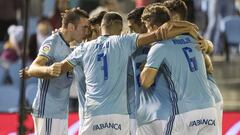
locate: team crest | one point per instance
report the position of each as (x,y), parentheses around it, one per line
(46,48)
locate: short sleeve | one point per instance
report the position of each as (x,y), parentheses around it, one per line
(76,56)
(156,56)
(129,42)
(47,50)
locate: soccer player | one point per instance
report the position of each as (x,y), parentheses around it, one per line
(151,105)
(79,77)
(178,11)
(148,103)
(135,25)
(182,65)
(104,62)
(142,97)
(50,106)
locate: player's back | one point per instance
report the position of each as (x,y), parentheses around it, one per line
(105,67)
(184,68)
(152,104)
(214,89)
(53,94)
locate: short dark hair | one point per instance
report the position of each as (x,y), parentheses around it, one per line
(43,19)
(97,19)
(177,7)
(111,17)
(73,16)
(156,13)
(136,14)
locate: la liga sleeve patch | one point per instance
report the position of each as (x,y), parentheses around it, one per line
(46,48)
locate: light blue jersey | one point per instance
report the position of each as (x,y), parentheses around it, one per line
(184,69)
(104,63)
(214,89)
(52,97)
(152,104)
(79,79)
(81,90)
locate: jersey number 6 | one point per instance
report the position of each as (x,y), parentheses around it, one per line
(192,62)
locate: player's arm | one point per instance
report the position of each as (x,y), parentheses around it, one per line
(155,57)
(168,30)
(39,69)
(65,66)
(72,60)
(147,77)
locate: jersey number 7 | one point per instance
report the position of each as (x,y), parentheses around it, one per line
(192,62)
(103,58)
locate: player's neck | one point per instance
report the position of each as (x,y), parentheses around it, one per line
(66,35)
(105,32)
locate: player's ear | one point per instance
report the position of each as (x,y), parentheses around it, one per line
(71,27)
(143,27)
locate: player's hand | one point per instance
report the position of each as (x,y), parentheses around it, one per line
(202,45)
(55,69)
(205,46)
(25,72)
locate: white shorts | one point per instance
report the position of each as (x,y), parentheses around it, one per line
(49,126)
(196,122)
(133,126)
(219,108)
(156,127)
(112,124)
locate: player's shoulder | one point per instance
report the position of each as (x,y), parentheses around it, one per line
(161,44)
(113,39)
(48,44)
(88,45)
(51,40)
(178,40)
(124,36)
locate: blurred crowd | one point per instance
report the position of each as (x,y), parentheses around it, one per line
(45,15)
(211,16)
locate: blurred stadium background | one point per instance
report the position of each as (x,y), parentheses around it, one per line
(218,20)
